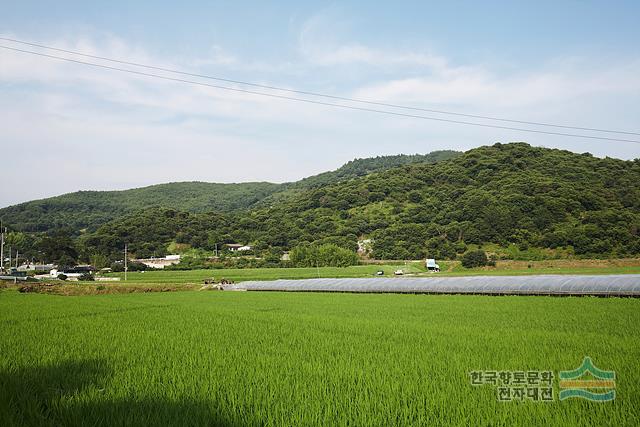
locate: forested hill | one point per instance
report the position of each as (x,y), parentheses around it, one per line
(505,194)
(502,194)
(87,210)
(362,167)
(353,169)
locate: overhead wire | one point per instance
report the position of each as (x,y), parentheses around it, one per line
(311,101)
(317,94)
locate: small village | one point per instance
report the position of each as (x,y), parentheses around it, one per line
(14,268)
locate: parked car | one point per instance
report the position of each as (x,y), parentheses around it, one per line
(398,272)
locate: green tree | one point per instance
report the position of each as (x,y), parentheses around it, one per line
(58,247)
(474,259)
(326,255)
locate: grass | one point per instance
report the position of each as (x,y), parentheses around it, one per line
(245,358)
(563,266)
(244,274)
(96,288)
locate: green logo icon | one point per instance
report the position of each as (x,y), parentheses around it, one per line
(588,382)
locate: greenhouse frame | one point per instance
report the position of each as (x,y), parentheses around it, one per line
(599,285)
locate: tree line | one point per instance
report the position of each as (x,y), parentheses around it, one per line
(505,194)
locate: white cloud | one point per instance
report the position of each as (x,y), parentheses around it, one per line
(81,119)
(320,44)
(72,83)
(478,89)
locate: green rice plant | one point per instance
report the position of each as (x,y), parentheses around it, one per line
(251,358)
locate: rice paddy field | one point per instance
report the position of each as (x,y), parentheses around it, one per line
(242,274)
(251,358)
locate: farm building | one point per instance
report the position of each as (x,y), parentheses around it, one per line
(72,273)
(13,274)
(36,267)
(159,262)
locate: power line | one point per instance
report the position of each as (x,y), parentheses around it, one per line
(309,101)
(302,92)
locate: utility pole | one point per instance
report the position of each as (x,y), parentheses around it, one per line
(125,262)
(2,230)
(216,250)
(17,255)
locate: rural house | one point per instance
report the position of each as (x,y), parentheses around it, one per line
(237,247)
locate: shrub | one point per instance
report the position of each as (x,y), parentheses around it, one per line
(474,259)
(62,276)
(327,255)
(118,266)
(86,277)
(493,259)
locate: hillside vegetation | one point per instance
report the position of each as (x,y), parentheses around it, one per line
(362,167)
(528,200)
(353,169)
(90,209)
(507,195)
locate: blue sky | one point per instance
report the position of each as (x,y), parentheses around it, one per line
(571,62)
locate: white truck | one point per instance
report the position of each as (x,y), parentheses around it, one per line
(432,266)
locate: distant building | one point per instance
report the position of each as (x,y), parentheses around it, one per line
(13,274)
(72,276)
(80,269)
(73,273)
(37,267)
(237,247)
(159,262)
